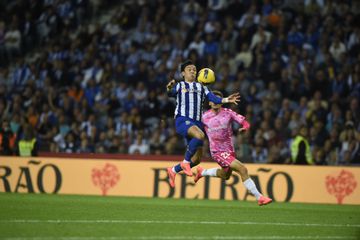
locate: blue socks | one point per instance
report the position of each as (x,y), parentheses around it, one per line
(179,169)
(192,148)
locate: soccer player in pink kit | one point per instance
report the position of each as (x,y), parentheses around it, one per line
(217,122)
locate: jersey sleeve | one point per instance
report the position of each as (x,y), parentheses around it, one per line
(174,90)
(211,97)
(239,119)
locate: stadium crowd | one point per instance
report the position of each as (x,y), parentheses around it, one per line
(100,87)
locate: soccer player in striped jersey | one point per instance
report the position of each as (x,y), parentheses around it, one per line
(190,96)
(218,127)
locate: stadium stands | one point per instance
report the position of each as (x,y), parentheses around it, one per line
(91,81)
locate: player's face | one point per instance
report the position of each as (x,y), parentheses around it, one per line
(189,73)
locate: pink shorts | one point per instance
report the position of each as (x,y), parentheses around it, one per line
(224,159)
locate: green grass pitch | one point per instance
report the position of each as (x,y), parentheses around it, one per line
(38,217)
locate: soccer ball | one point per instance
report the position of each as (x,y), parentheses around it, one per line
(206,76)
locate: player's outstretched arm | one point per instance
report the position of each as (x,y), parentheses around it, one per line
(233,98)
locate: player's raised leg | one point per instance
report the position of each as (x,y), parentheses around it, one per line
(224,159)
(239,168)
(191,130)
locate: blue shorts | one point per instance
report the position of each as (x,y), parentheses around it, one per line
(182,125)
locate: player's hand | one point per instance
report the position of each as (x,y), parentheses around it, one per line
(234,98)
(170,84)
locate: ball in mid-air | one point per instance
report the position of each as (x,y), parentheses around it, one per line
(206,76)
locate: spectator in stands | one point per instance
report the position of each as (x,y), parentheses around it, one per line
(28,146)
(13,42)
(259,152)
(139,146)
(350,148)
(337,48)
(7,139)
(300,148)
(156,143)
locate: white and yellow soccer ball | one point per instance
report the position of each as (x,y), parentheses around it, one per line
(206,76)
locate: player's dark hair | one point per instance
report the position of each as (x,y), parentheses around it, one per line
(218,93)
(184,64)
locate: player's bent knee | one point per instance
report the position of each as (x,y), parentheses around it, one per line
(220,174)
(200,136)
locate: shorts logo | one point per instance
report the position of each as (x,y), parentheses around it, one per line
(187,122)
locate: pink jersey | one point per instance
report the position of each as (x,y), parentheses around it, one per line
(218,128)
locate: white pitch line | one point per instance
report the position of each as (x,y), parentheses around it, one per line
(185,238)
(178,222)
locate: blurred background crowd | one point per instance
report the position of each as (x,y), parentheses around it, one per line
(89,76)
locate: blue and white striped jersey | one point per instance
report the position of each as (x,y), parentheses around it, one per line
(190,98)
